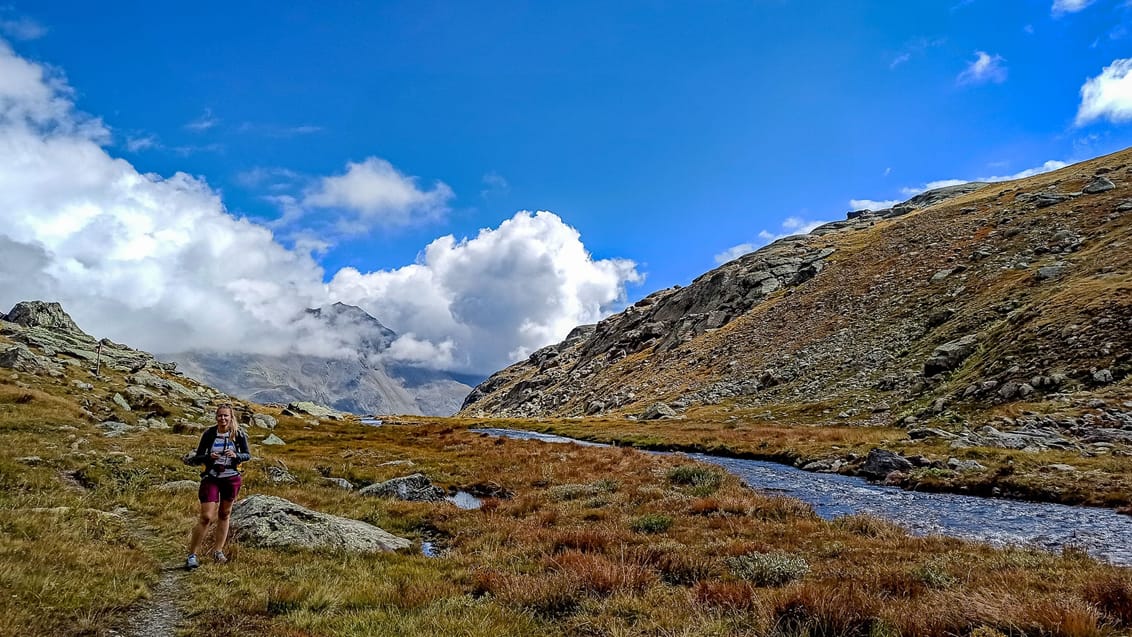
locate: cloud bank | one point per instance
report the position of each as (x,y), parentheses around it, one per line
(160,264)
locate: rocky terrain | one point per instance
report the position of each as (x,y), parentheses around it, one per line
(362,382)
(990,314)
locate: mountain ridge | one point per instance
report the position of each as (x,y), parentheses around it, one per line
(864,321)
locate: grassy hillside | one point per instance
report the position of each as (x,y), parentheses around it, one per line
(570,540)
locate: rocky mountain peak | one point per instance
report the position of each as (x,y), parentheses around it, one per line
(48,314)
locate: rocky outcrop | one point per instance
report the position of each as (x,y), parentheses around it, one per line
(270,522)
(412,488)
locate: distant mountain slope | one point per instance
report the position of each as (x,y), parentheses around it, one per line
(949,307)
(360,382)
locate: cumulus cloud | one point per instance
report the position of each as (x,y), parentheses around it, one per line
(160,264)
(373,192)
(1061,7)
(985,68)
(497,297)
(1108,95)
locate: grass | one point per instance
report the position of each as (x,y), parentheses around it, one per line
(590,541)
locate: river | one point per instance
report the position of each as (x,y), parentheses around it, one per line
(1102,533)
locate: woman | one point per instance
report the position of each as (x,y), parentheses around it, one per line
(221,449)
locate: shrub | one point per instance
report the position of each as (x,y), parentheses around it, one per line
(703,480)
(769,569)
(652,523)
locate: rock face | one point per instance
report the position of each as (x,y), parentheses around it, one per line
(362,383)
(413,488)
(271,522)
(953,302)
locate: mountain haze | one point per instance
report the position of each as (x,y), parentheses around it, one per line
(948,308)
(360,380)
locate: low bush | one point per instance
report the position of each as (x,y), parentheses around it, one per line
(769,569)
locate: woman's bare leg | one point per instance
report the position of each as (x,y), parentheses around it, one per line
(207,515)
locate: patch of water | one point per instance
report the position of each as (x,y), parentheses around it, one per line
(1103,533)
(465,500)
(372,422)
(428,549)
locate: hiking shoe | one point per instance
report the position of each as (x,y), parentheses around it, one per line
(220,557)
(192,562)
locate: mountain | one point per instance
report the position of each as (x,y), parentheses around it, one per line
(1008,300)
(361,381)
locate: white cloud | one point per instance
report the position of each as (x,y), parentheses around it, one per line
(494,184)
(910,191)
(143,142)
(1108,95)
(22,28)
(1061,7)
(985,68)
(160,264)
(870,204)
(790,226)
(734,252)
(206,121)
(496,297)
(376,193)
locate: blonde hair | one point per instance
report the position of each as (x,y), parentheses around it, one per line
(233,425)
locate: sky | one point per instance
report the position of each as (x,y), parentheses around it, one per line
(484,176)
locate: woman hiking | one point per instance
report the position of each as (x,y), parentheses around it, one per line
(221,449)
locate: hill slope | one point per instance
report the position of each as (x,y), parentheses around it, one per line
(950,308)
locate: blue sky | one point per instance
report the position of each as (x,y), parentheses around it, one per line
(380,153)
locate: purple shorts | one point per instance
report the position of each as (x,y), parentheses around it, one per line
(219,489)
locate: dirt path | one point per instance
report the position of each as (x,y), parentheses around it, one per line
(159,615)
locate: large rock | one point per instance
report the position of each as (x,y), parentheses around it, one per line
(270,522)
(881,462)
(41,314)
(22,359)
(313,409)
(950,355)
(414,488)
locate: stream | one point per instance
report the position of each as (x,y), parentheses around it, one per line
(1102,533)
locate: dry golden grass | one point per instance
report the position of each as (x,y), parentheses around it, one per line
(581,541)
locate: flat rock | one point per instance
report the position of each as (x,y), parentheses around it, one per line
(271,522)
(313,409)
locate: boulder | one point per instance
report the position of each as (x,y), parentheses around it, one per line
(22,359)
(272,440)
(1098,185)
(264,421)
(881,462)
(413,488)
(341,483)
(656,411)
(950,355)
(313,409)
(270,522)
(280,475)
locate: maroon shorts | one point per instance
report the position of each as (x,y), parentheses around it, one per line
(219,489)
